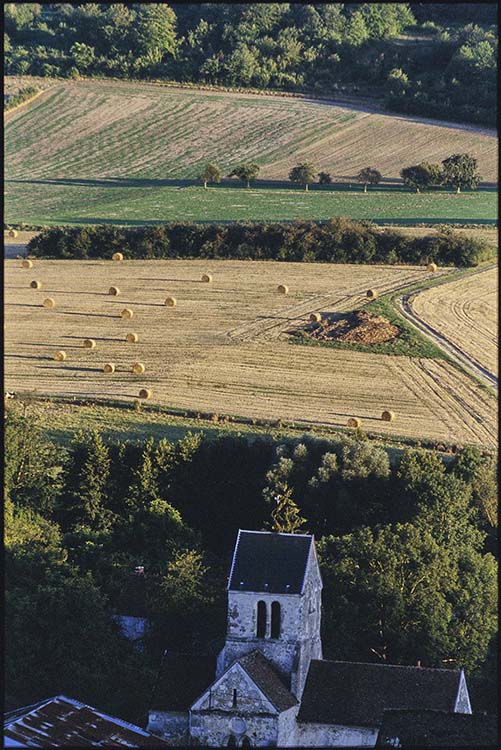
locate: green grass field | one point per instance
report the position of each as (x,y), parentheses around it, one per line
(137,201)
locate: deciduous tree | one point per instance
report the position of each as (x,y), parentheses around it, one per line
(460,171)
(369,176)
(303,174)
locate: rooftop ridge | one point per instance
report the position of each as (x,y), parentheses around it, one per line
(394,666)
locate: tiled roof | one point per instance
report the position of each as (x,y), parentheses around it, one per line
(182,680)
(356,694)
(64,722)
(261,671)
(437,728)
(269,562)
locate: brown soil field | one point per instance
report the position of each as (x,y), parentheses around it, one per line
(116,129)
(223,348)
(465,312)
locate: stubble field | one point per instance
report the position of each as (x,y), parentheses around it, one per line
(465,311)
(224,348)
(123,152)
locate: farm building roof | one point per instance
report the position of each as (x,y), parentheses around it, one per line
(437,728)
(263,674)
(182,679)
(269,562)
(65,722)
(357,694)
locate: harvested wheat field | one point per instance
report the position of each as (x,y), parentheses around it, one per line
(465,312)
(224,349)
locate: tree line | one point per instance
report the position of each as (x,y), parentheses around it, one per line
(338,240)
(406,550)
(458,171)
(327,49)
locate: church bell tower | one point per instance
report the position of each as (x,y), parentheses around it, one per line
(274,604)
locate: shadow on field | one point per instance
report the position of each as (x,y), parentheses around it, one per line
(87,315)
(67,291)
(180,281)
(26,356)
(45,346)
(65,367)
(342,183)
(83,338)
(21,304)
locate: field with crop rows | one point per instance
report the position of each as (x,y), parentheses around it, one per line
(94,151)
(224,348)
(465,311)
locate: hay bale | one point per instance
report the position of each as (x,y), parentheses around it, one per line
(282,289)
(114,291)
(171,302)
(132,338)
(60,356)
(117,256)
(388,416)
(49,302)
(36,285)
(109,368)
(431,267)
(89,344)
(12,233)
(315,317)
(145,393)
(354,422)
(27,263)
(207,278)
(372,294)
(138,368)
(126,313)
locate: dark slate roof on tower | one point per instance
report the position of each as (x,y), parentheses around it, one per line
(269,562)
(356,694)
(262,673)
(437,728)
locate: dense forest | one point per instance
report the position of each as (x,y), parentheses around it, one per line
(424,58)
(407,551)
(339,240)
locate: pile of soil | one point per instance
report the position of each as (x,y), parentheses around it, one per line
(358,327)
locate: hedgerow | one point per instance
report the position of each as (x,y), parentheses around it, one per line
(339,240)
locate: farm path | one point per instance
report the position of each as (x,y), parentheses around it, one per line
(471,326)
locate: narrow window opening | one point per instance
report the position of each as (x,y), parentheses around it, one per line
(275,620)
(234,703)
(232,742)
(261,620)
(246,742)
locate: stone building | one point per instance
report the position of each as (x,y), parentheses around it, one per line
(271,685)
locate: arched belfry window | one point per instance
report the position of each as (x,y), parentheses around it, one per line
(261,620)
(232,741)
(246,742)
(275,620)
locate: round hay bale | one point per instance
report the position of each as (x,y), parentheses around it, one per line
(126,313)
(114,291)
(89,344)
(282,289)
(388,416)
(27,263)
(109,368)
(145,393)
(138,368)
(315,317)
(12,233)
(171,302)
(372,294)
(60,356)
(49,302)
(132,338)
(354,422)
(431,267)
(36,285)
(117,256)
(207,278)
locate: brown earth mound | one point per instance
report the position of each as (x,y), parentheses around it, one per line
(358,327)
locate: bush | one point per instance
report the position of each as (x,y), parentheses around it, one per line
(339,240)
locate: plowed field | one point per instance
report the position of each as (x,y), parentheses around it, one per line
(223,348)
